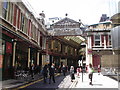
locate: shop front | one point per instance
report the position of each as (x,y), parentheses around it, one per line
(6,57)
(21,56)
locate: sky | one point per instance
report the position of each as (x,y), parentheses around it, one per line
(89,11)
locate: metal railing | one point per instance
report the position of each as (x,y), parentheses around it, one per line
(22,75)
(110,70)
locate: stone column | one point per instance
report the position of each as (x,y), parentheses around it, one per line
(14,50)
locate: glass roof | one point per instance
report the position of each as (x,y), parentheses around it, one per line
(77,39)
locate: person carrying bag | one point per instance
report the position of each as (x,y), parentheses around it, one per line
(72,73)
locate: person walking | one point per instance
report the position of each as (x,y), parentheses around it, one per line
(59,69)
(78,71)
(72,73)
(45,73)
(64,70)
(90,73)
(51,73)
(99,69)
(32,71)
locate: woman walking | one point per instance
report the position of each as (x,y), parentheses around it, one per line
(72,73)
(90,73)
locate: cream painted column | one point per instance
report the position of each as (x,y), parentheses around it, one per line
(87,62)
(28,57)
(43,60)
(38,54)
(90,59)
(90,42)
(90,48)
(104,42)
(89,55)
(14,50)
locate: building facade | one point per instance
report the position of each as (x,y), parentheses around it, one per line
(23,38)
(116,37)
(64,45)
(99,46)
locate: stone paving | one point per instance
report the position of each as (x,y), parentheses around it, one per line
(99,81)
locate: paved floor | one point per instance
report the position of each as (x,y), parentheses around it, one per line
(11,83)
(99,81)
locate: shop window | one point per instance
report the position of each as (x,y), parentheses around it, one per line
(97,40)
(2,52)
(2,47)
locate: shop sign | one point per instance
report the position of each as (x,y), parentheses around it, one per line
(8,47)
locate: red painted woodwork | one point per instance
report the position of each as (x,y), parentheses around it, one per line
(18,22)
(8,34)
(9,47)
(96,61)
(106,40)
(92,40)
(102,39)
(15,14)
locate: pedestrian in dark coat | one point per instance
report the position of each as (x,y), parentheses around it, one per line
(64,70)
(51,73)
(37,69)
(45,73)
(32,71)
(59,69)
(72,73)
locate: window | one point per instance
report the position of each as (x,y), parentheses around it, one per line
(18,19)
(25,25)
(110,40)
(22,22)
(29,27)
(7,11)
(33,31)
(4,11)
(97,40)
(11,13)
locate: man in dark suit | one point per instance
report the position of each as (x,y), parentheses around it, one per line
(51,73)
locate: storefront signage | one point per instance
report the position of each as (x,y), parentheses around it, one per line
(8,47)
